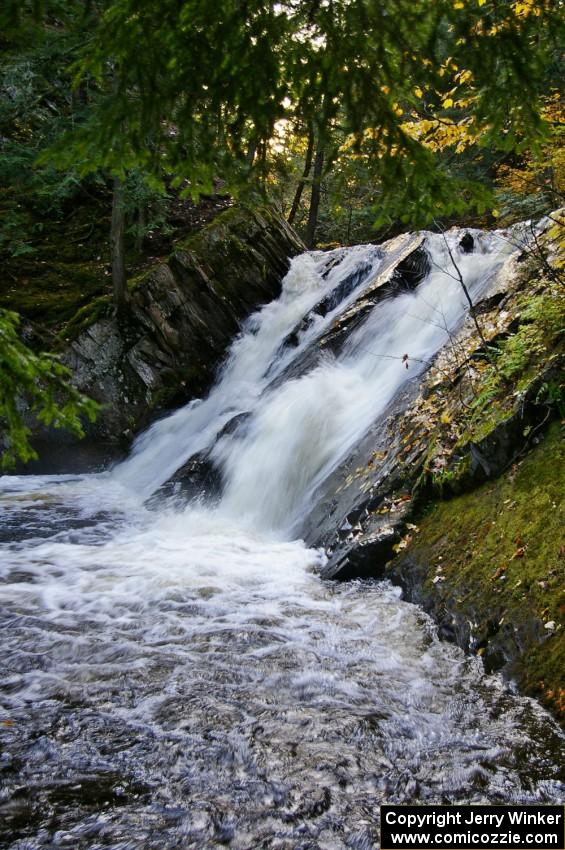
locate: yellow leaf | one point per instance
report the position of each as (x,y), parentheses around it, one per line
(418,91)
(495,213)
(482,2)
(448,102)
(458,5)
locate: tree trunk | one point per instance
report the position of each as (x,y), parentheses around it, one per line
(302,182)
(349,218)
(140,235)
(117,244)
(310,237)
(251,151)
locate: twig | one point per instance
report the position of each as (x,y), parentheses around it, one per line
(465,290)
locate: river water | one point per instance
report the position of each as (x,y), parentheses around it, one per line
(178,676)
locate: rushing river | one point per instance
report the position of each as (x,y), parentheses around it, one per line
(178,676)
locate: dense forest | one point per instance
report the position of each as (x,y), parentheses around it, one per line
(124,125)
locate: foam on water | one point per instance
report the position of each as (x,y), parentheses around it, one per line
(302,429)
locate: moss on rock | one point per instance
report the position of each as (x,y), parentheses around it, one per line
(182,315)
(490,565)
(83,318)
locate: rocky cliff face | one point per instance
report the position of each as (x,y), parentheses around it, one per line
(456,494)
(183,315)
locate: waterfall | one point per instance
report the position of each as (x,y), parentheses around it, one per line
(252,362)
(299,426)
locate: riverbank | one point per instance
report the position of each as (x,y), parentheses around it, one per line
(458,494)
(485,551)
(488,565)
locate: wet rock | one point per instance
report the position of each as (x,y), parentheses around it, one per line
(361,510)
(345,288)
(198,478)
(234,425)
(182,317)
(387,281)
(404,267)
(364,554)
(411,271)
(467,243)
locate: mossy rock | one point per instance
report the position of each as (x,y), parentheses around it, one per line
(164,348)
(83,318)
(490,566)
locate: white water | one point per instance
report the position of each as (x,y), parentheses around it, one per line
(301,429)
(192,659)
(251,363)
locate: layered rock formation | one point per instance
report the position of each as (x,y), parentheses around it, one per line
(182,316)
(445,496)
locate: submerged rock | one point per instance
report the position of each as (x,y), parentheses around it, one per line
(197,479)
(467,243)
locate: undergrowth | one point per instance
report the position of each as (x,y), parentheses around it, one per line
(542,323)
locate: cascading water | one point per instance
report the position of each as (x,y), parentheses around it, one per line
(301,430)
(180,676)
(253,361)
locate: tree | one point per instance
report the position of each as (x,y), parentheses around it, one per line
(532,182)
(368,64)
(303,179)
(312,223)
(117,242)
(36,108)
(36,383)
